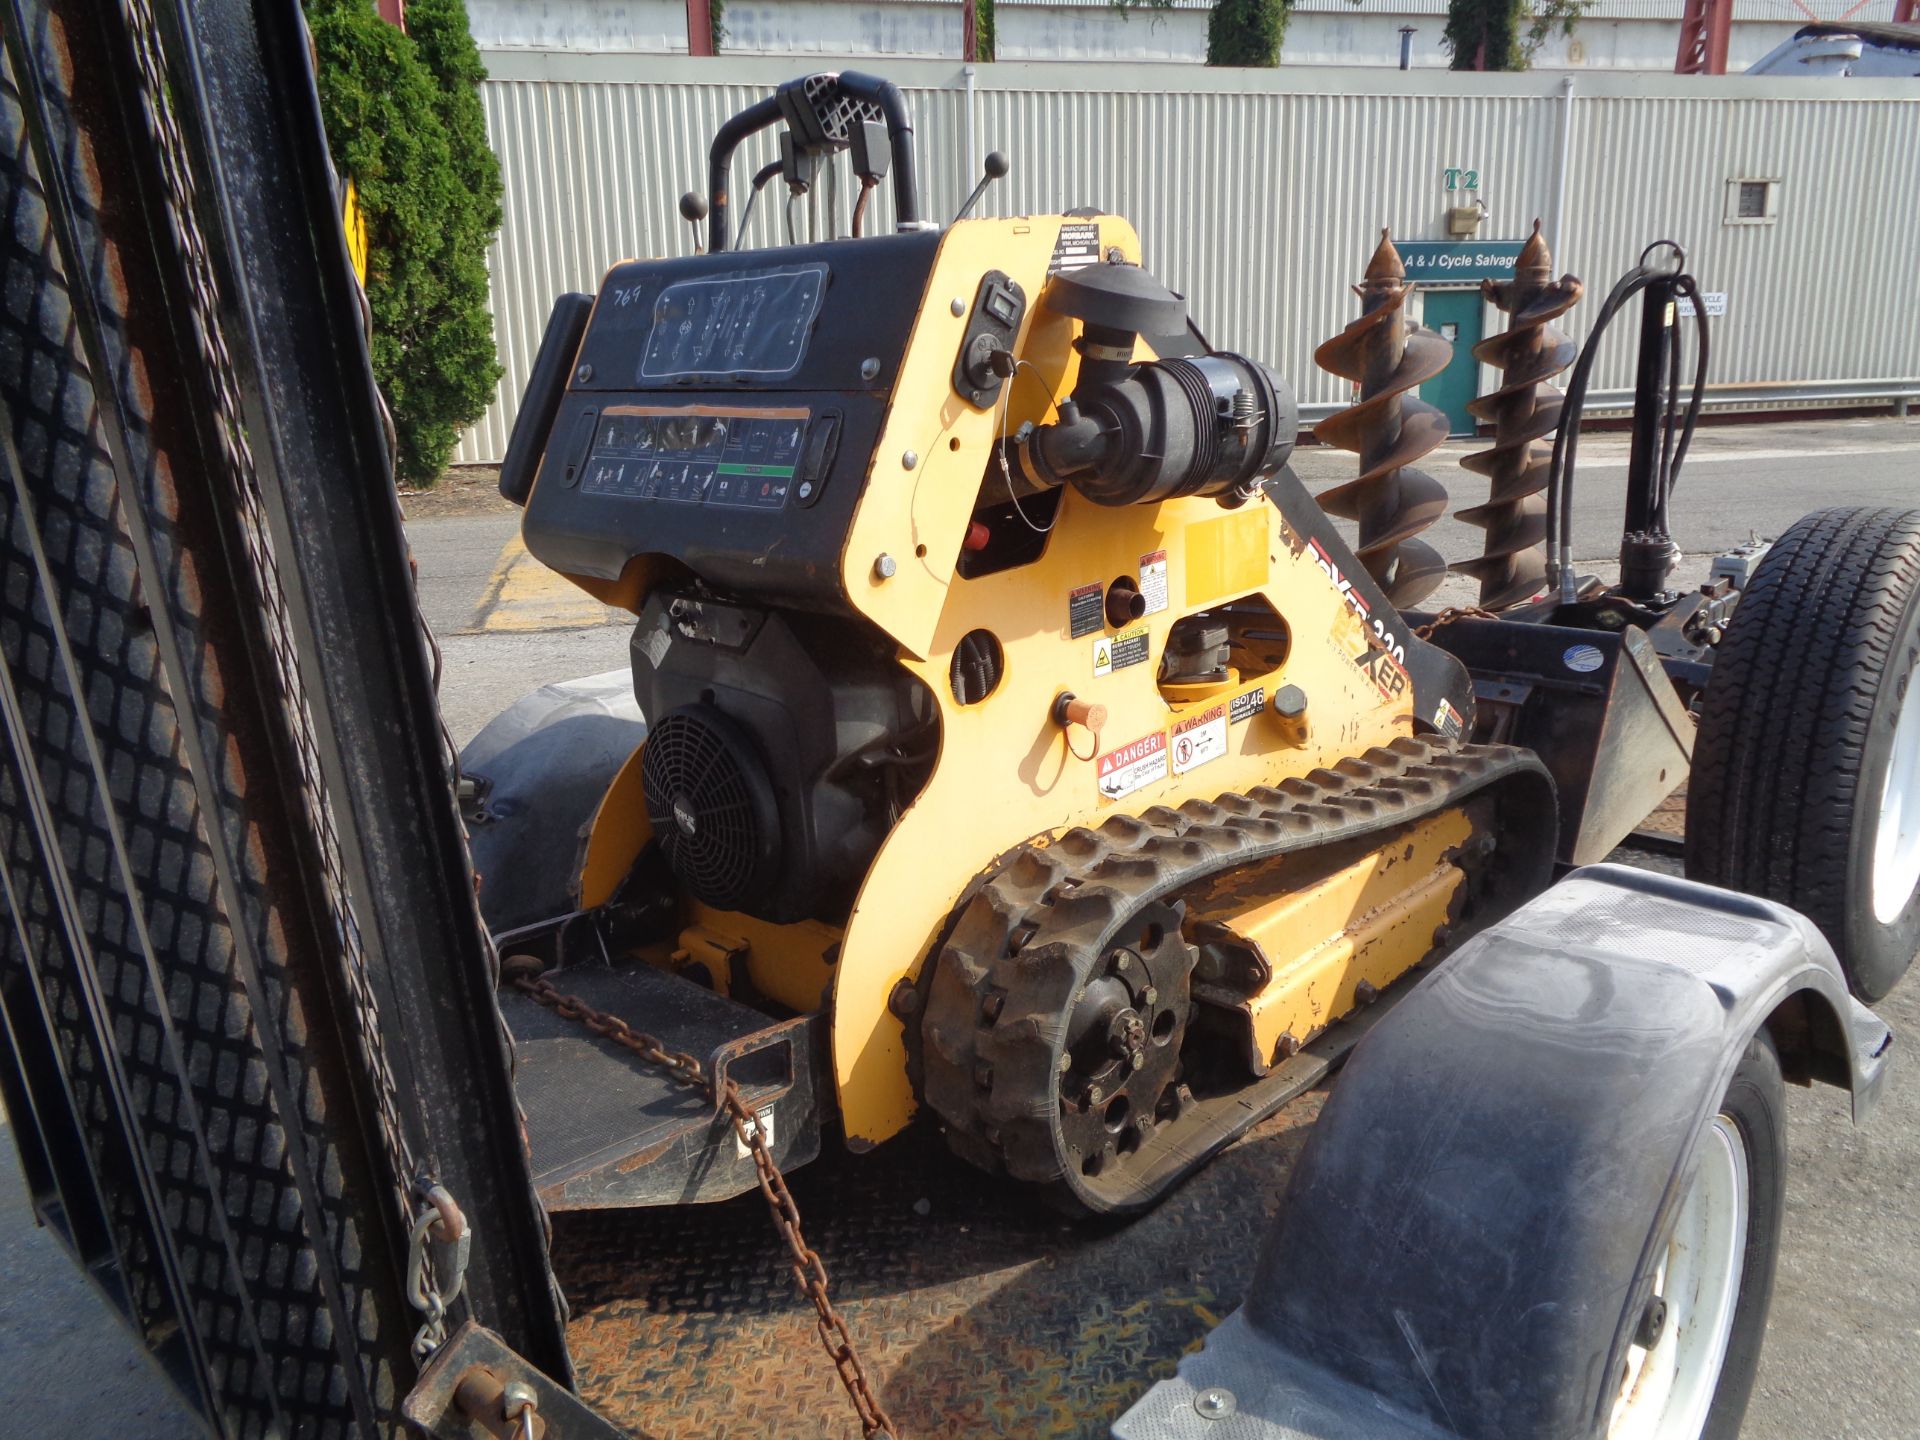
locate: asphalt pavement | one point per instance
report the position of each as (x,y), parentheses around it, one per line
(1842,1355)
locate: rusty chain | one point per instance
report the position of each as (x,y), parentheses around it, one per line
(809,1272)
(1451,614)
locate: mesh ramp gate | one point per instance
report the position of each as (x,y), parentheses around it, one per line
(244,988)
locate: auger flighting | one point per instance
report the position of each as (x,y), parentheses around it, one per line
(1524,410)
(1389,428)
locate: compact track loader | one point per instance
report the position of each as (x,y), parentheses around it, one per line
(1025,748)
(1015,759)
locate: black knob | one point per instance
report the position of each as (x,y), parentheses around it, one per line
(997,165)
(693,207)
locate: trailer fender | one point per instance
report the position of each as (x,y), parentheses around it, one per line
(1472,1220)
(539,770)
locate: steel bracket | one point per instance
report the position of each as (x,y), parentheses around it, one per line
(468,1366)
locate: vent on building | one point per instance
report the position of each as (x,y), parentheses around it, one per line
(1752,202)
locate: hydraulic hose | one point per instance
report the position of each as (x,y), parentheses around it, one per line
(765,173)
(1689,287)
(1566,444)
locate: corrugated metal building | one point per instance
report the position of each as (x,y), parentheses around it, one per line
(1611,34)
(1259,193)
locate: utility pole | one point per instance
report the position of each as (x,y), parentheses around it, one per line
(969,31)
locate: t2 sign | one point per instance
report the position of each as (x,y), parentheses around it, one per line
(1462,179)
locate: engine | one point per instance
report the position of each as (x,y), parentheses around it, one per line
(782,747)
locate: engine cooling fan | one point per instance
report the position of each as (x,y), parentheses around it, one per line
(712,806)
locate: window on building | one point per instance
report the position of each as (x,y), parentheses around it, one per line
(1752,202)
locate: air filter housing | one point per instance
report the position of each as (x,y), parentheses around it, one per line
(712,806)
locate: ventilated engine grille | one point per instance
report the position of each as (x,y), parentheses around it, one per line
(710,805)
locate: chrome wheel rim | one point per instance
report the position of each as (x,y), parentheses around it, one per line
(1668,1387)
(1896,838)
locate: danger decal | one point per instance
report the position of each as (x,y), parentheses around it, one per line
(1133,766)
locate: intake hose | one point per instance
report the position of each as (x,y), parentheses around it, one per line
(1135,434)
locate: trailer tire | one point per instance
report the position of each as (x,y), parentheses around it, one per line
(1698,1376)
(1806,777)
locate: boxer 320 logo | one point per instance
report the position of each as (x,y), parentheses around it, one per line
(1379,651)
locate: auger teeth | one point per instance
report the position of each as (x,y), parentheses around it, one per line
(1525,410)
(1388,428)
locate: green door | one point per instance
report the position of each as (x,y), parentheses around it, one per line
(1456,315)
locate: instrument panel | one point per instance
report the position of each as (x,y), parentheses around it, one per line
(706,455)
(723,410)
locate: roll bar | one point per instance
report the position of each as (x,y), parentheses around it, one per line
(764,113)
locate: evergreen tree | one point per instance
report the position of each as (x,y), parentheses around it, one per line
(1246,32)
(404,120)
(1486,34)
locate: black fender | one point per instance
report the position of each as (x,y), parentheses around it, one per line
(1470,1222)
(539,770)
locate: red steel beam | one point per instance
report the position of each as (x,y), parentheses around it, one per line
(1703,37)
(699,27)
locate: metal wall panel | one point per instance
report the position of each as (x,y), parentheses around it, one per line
(1260,193)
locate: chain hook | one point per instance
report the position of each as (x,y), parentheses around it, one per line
(441,1222)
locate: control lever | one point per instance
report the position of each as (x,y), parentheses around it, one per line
(693,210)
(760,178)
(996,169)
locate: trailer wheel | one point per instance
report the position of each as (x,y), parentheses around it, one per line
(1806,779)
(1692,1353)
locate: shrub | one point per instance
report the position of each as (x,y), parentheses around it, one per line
(403,118)
(1246,32)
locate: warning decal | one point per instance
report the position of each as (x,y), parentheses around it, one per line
(1447,720)
(1127,769)
(1117,652)
(1079,244)
(1200,738)
(1153,581)
(1245,707)
(1083,611)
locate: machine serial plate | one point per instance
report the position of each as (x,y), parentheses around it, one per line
(697,455)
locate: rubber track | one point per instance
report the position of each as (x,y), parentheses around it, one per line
(1002,985)
(1773,805)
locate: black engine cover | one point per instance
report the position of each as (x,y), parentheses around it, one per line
(781,748)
